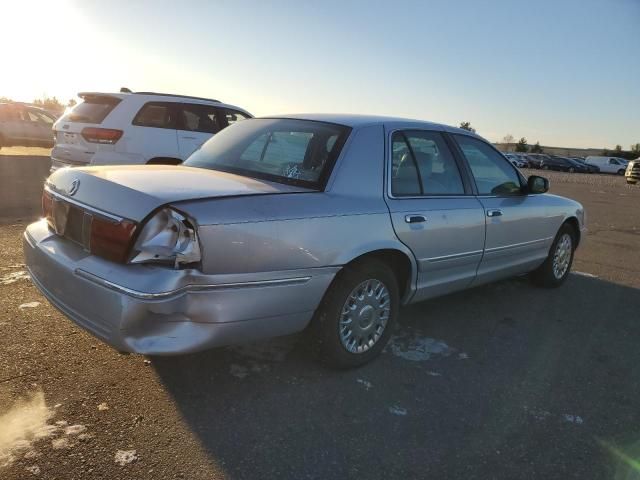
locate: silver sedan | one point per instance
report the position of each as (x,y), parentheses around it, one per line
(321,222)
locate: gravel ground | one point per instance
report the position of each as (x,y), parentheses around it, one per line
(503,381)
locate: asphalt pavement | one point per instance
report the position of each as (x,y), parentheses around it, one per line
(503,381)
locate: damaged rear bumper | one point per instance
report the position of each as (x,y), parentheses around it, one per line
(159,311)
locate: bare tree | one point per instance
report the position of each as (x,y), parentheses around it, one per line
(467,126)
(508,139)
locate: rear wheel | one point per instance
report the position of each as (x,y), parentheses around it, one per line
(356,316)
(545,167)
(572,170)
(621,171)
(555,269)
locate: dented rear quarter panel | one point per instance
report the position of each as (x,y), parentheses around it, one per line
(291,231)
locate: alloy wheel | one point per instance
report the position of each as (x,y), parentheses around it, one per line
(364,316)
(562,256)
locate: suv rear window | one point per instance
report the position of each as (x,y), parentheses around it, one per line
(92,110)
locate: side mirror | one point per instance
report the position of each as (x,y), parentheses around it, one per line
(536,184)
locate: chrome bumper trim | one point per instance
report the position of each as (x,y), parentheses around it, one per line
(187,288)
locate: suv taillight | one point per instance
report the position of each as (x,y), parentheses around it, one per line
(107,136)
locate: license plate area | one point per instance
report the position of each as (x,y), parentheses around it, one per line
(72,223)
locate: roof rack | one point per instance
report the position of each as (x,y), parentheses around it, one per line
(174,95)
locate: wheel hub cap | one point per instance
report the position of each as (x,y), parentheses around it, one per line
(364,316)
(562,256)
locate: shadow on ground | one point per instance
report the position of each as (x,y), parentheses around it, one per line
(503,381)
(23,178)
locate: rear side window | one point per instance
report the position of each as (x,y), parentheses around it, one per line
(156,115)
(199,118)
(92,110)
(423,165)
(234,116)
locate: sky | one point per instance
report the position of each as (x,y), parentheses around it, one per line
(561,72)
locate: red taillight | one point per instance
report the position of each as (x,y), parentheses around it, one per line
(111,240)
(47,207)
(107,136)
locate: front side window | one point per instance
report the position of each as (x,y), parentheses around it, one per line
(493,174)
(156,115)
(35,116)
(199,118)
(299,152)
(423,165)
(234,116)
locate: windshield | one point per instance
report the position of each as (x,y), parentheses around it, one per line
(298,152)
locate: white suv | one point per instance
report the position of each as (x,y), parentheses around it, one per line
(137,128)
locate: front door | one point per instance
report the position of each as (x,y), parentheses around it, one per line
(434,212)
(519,229)
(197,123)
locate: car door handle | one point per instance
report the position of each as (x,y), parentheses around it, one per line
(188,138)
(415,218)
(494,213)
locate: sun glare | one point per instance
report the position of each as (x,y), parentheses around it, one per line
(46,47)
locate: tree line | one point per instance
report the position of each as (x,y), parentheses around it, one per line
(48,103)
(524,147)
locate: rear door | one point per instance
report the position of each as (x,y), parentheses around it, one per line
(39,126)
(197,123)
(434,211)
(153,133)
(519,229)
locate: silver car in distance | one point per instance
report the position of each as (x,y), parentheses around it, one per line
(328,223)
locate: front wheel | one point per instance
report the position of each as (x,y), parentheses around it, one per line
(572,170)
(555,269)
(621,172)
(356,316)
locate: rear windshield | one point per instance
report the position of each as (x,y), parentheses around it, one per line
(298,152)
(91,110)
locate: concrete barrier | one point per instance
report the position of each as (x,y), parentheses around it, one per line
(21,180)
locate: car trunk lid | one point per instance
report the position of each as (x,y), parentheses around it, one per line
(133,191)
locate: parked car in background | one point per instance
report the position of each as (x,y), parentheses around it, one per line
(556,163)
(137,128)
(590,168)
(577,166)
(25,126)
(330,222)
(515,160)
(632,173)
(608,164)
(535,159)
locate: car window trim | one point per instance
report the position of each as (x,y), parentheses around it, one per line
(520,176)
(466,185)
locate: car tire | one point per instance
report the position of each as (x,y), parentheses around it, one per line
(621,172)
(572,170)
(555,269)
(545,167)
(362,286)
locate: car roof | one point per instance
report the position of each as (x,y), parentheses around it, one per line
(356,121)
(166,97)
